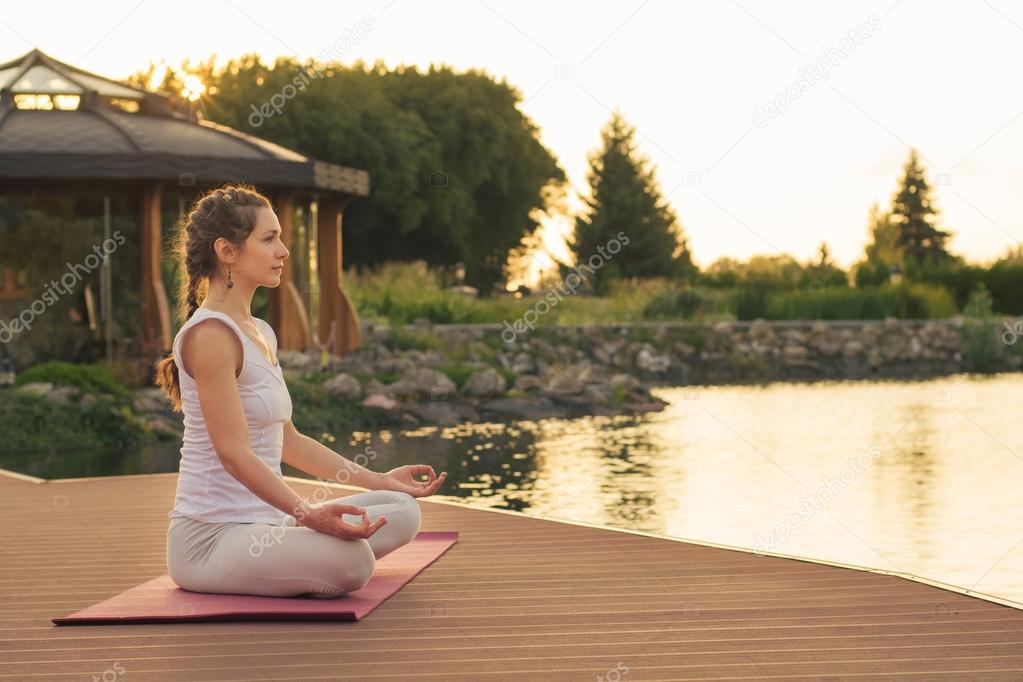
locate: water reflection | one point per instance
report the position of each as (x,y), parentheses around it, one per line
(918,477)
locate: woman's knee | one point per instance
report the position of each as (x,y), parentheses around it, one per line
(412,514)
(355,565)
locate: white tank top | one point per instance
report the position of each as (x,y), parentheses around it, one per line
(206,492)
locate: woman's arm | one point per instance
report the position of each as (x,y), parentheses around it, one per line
(214,372)
(315,458)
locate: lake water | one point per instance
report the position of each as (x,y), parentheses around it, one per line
(919,477)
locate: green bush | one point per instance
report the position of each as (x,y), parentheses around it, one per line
(677,304)
(982,346)
(89,378)
(414,339)
(905,301)
(33,424)
(458,373)
(749,303)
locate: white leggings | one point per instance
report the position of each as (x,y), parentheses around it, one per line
(288,561)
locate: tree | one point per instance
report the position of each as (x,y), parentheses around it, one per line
(457,172)
(624,198)
(882,251)
(824,272)
(914,214)
(884,237)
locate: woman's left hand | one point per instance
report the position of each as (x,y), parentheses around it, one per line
(403,479)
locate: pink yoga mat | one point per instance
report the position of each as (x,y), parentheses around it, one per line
(162,601)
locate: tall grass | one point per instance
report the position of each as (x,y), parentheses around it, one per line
(868,303)
(401,293)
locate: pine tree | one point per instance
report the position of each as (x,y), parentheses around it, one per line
(625,198)
(914,214)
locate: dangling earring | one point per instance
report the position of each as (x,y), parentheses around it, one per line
(230,284)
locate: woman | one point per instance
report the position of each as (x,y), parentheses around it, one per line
(236,526)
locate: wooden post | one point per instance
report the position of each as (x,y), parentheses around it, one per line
(287,312)
(156,325)
(338,323)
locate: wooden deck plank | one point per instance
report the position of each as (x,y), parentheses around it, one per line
(517,598)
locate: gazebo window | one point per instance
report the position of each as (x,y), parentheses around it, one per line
(127,105)
(47,102)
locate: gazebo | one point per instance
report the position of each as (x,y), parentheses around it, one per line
(85,159)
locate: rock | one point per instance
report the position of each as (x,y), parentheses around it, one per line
(893,346)
(395,364)
(37,388)
(824,341)
(523,364)
(380,402)
(915,347)
(761,330)
(648,361)
(530,409)
(159,426)
(423,383)
(599,394)
(794,337)
(795,353)
(485,383)
(430,358)
(643,407)
(359,362)
(589,373)
(439,413)
(528,382)
(852,349)
(62,395)
(684,349)
(624,382)
(149,400)
(298,361)
(565,381)
(374,386)
(343,386)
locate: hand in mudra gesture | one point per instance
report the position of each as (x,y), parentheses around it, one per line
(328,519)
(403,478)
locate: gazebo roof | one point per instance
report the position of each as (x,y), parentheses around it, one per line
(59,122)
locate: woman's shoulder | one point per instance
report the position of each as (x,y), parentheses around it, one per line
(214,337)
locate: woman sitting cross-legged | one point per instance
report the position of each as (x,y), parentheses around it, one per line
(236,526)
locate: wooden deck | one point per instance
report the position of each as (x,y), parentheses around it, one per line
(517,598)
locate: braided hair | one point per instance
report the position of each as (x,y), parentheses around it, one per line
(229,212)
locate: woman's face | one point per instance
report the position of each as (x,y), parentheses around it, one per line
(262,259)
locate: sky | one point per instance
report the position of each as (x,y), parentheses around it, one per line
(772,126)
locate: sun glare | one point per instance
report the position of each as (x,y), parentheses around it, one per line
(193,88)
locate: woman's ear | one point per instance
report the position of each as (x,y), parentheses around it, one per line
(225,250)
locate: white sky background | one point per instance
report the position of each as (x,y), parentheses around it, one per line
(940,76)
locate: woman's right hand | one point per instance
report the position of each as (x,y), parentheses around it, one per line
(328,519)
